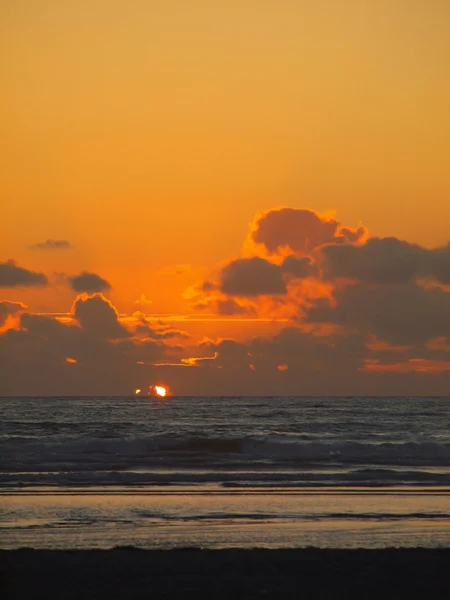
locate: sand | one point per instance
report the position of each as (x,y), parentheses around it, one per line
(218,574)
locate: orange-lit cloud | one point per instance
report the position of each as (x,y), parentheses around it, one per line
(299,231)
(8,309)
(144,327)
(284,270)
(96,314)
(200,361)
(333,313)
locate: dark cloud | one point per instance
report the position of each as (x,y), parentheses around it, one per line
(295,362)
(301,230)
(298,267)
(385,260)
(230,307)
(308,356)
(33,360)
(44,326)
(89,283)
(398,313)
(11,275)
(292,362)
(51,245)
(252,277)
(97,315)
(438,263)
(153,331)
(229,355)
(9,308)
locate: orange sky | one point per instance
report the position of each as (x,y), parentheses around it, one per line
(149,134)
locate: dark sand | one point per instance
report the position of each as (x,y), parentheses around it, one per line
(218,574)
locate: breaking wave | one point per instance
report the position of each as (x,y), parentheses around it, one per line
(100,453)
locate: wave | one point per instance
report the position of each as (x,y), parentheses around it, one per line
(87,452)
(227,479)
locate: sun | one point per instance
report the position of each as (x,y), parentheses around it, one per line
(160,390)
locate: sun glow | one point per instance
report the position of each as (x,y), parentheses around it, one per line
(137,392)
(160,390)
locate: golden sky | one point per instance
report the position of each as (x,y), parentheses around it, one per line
(148,134)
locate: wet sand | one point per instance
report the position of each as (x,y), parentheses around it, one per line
(218,574)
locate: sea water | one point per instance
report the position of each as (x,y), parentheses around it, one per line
(224,472)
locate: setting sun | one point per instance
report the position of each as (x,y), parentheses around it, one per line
(160,391)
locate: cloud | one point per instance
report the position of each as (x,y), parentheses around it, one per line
(11,275)
(158,331)
(89,282)
(229,307)
(48,357)
(438,263)
(252,277)
(10,308)
(224,306)
(51,244)
(229,355)
(309,356)
(289,235)
(318,277)
(292,362)
(43,325)
(384,261)
(97,315)
(300,230)
(298,267)
(360,316)
(397,313)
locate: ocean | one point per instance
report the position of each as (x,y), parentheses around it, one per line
(221,472)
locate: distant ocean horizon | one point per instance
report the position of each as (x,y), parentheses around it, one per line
(97,472)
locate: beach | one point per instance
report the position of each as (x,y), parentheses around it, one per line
(221,574)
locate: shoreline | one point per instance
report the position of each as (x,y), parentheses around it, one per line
(128,572)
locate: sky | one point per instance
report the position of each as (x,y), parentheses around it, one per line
(241,197)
